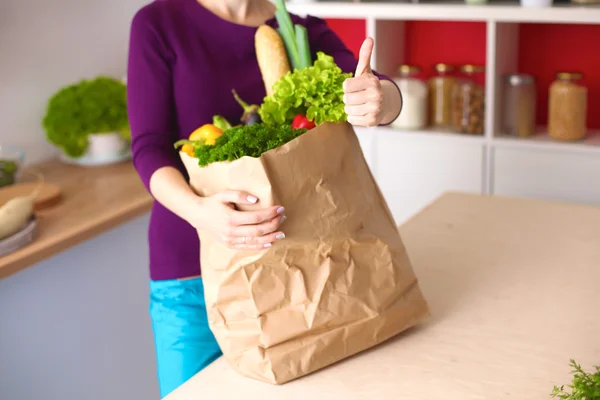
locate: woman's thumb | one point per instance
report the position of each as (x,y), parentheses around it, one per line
(364,58)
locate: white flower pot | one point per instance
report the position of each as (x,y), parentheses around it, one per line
(536,3)
(103,149)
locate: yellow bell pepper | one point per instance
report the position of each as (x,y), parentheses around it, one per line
(207,133)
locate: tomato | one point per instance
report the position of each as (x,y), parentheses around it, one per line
(300,121)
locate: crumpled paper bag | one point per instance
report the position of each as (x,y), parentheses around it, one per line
(339,283)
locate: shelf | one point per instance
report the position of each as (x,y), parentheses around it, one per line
(506,38)
(455,11)
(541,141)
(433,133)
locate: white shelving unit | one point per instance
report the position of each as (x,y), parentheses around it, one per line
(448,11)
(415,167)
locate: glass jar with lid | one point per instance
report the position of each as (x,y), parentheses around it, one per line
(440,95)
(414,98)
(518,105)
(567,107)
(468,101)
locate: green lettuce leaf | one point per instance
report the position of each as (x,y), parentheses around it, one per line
(315,91)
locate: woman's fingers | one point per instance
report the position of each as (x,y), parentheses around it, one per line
(239,218)
(250,229)
(363,97)
(363,109)
(258,236)
(367,120)
(258,230)
(360,83)
(257,242)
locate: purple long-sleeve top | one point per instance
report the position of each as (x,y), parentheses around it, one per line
(183,63)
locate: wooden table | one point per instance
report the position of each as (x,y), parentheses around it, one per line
(94,200)
(514,288)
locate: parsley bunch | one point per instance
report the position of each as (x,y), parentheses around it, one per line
(315,91)
(248,140)
(585,386)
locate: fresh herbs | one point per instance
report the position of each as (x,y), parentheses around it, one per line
(248,140)
(315,91)
(295,38)
(585,386)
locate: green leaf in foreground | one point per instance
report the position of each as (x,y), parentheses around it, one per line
(316,92)
(585,386)
(248,140)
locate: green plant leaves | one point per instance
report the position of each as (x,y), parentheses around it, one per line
(88,106)
(585,386)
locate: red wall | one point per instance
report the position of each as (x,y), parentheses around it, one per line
(544,49)
(352,32)
(456,43)
(547,49)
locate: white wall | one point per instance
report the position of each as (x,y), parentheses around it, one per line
(76,326)
(47,44)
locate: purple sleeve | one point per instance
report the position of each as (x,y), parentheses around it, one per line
(149,99)
(322,38)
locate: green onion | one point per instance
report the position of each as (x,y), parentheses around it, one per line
(303,46)
(295,38)
(286,30)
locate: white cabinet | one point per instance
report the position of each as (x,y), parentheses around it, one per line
(413,169)
(543,174)
(365,138)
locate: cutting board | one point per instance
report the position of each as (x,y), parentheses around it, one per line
(50,194)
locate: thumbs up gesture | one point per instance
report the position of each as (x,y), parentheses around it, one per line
(363,94)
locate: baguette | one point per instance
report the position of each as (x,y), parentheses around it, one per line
(271,55)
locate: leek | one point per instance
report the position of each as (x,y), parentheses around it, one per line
(295,38)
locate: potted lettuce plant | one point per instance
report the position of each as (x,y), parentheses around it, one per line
(87,121)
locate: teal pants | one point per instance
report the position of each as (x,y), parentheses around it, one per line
(183,340)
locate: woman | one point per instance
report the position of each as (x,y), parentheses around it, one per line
(185,57)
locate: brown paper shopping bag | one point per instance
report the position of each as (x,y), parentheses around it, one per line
(339,283)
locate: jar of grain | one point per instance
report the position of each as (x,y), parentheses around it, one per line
(468,101)
(567,108)
(440,95)
(414,99)
(518,105)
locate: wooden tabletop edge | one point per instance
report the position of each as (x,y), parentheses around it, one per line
(46,248)
(48,243)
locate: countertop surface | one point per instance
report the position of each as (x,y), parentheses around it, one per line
(94,200)
(513,290)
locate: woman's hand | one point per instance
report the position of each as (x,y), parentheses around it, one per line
(217,214)
(237,229)
(369,101)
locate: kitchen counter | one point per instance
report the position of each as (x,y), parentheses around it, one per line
(94,200)
(513,289)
